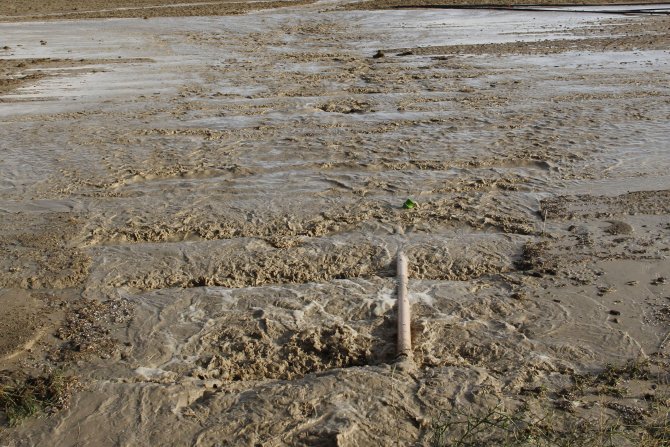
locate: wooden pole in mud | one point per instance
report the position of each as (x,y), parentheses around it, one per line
(404,318)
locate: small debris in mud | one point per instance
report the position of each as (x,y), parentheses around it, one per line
(519,295)
(378,54)
(346,107)
(535,258)
(565,405)
(658,281)
(614,312)
(533,391)
(86,329)
(602,291)
(630,415)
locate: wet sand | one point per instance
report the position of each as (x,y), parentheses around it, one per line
(200,218)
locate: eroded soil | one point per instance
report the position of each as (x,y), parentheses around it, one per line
(200,219)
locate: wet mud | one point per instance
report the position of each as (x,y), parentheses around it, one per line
(200,221)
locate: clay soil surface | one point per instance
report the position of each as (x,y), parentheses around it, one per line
(199,220)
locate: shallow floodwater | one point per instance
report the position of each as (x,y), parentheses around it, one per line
(239,180)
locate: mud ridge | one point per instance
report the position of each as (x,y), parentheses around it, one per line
(308,263)
(292,230)
(586,206)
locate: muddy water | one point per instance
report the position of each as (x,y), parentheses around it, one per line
(239,181)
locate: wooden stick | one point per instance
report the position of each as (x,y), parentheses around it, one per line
(404,318)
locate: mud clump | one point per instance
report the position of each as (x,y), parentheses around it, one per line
(536,259)
(617,227)
(255,355)
(346,107)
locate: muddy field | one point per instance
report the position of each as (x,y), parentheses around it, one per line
(199,219)
(27,10)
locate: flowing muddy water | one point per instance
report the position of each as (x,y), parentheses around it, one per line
(200,218)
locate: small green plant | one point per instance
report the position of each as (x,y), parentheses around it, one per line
(33,395)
